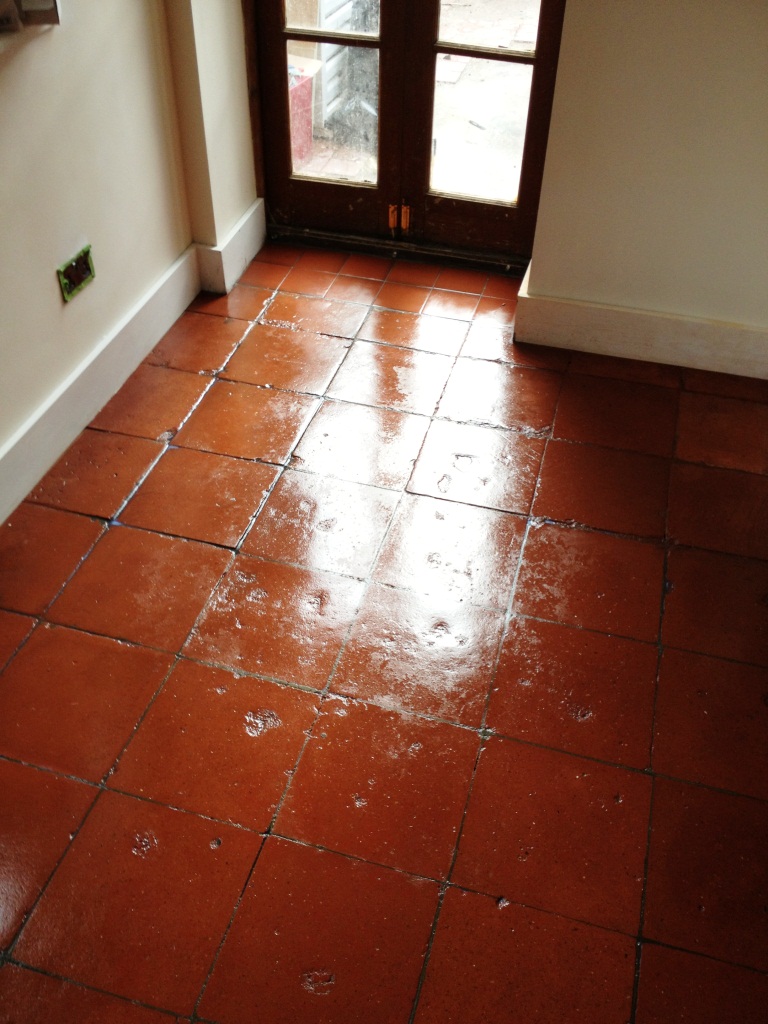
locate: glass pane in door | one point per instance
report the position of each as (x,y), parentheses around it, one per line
(333,100)
(478,127)
(359,16)
(500,24)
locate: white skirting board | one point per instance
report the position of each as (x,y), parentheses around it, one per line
(47,434)
(222,265)
(641,334)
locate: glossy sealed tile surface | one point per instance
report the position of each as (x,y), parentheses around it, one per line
(478,465)
(490,956)
(362,444)
(322,938)
(64,684)
(217,744)
(201,496)
(707,877)
(33,844)
(381,785)
(141,586)
(248,422)
(131,866)
(277,620)
(576,690)
(397,378)
(360,663)
(419,654)
(40,548)
(198,343)
(97,473)
(291,360)
(153,403)
(322,523)
(451,550)
(557,832)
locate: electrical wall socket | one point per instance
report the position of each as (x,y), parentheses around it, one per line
(76,273)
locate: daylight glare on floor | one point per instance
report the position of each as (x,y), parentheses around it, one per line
(361,665)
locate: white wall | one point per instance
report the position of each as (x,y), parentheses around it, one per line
(655,193)
(91,119)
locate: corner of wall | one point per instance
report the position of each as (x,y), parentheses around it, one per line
(222,265)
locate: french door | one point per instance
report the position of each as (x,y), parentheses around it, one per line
(420,121)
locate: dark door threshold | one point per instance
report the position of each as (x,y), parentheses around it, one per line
(515,266)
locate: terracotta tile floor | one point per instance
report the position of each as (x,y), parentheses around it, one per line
(361,665)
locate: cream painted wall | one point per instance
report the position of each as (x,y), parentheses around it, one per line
(89,152)
(655,192)
(226,116)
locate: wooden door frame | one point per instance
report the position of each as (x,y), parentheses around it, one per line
(542,92)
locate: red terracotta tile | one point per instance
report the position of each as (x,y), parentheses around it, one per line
(457,551)
(500,395)
(397,378)
(218,744)
(405,298)
(707,884)
(489,340)
(428,333)
(723,432)
(500,310)
(248,422)
(69,701)
(626,369)
(382,786)
(303,281)
(374,267)
(325,261)
(97,473)
(198,343)
(726,384)
(39,812)
(558,833)
(593,580)
(142,881)
(575,690)
(200,496)
(719,509)
(455,305)
(456,280)
(500,286)
(604,488)
(324,316)
(676,987)
(290,360)
(277,620)
(711,723)
(428,655)
(281,254)
(37,999)
(141,586)
(264,275)
(617,414)
(362,444)
(320,937)
(322,524)
(152,403)
(40,548)
(716,604)
(491,959)
(354,289)
(421,274)
(244,302)
(478,465)
(14,629)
